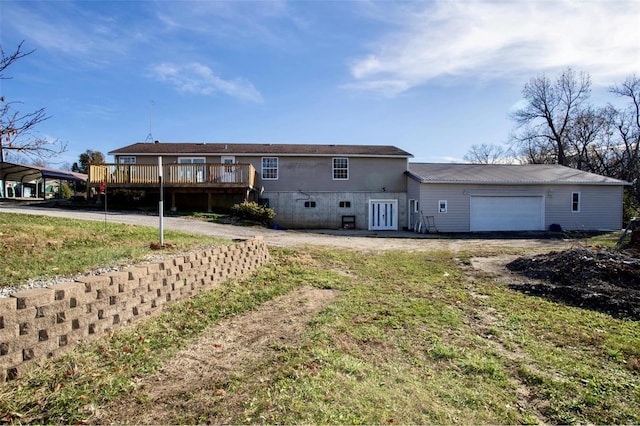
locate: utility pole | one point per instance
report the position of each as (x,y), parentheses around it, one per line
(161,203)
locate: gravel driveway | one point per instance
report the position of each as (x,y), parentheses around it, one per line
(348,239)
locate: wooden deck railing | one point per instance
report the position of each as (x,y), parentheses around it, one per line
(204,175)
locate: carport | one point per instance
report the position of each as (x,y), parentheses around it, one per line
(25,174)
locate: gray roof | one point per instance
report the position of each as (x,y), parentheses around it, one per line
(165,148)
(27,173)
(505,174)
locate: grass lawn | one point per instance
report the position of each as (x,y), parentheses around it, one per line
(42,247)
(412,338)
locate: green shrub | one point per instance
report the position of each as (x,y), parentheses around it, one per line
(65,191)
(252,211)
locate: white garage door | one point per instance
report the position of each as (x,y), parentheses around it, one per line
(507,213)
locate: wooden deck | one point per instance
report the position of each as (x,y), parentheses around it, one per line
(195,176)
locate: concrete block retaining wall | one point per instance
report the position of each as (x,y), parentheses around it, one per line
(44,322)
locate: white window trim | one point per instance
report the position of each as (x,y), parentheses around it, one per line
(440,203)
(579,202)
(277,168)
(334,169)
(201,160)
(130,159)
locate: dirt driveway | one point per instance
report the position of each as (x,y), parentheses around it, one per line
(348,239)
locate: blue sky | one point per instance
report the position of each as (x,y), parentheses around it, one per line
(430,77)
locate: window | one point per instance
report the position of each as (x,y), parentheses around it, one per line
(127,160)
(575,202)
(189,160)
(310,204)
(270,168)
(340,169)
(442,206)
(345,204)
(191,174)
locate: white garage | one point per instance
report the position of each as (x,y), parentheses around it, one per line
(492,213)
(505,197)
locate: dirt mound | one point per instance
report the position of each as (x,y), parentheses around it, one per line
(596,279)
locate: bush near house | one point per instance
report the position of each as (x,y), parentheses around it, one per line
(252,211)
(65,191)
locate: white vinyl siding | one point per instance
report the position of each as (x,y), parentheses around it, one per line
(600,205)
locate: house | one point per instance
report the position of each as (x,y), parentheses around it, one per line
(365,187)
(309,186)
(488,197)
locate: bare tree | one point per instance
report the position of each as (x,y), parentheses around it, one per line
(583,138)
(623,147)
(543,126)
(486,154)
(16,127)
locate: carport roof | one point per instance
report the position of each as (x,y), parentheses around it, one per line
(505,174)
(26,173)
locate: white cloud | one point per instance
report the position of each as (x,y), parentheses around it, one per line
(489,40)
(199,79)
(88,38)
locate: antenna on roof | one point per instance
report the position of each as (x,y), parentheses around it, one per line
(150,136)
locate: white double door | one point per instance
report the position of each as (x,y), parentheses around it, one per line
(383,215)
(228,171)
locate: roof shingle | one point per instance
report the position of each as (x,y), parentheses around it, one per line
(259,149)
(502,174)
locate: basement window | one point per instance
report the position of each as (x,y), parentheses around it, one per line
(309,204)
(345,204)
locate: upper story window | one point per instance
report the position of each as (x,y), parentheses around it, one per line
(270,168)
(127,160)
(191,160)
(194,173)
(575,202)
(340,169)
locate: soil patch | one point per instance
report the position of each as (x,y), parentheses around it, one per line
(597,279)
(197,379)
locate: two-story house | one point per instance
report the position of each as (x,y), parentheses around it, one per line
(309,186)
(365,187)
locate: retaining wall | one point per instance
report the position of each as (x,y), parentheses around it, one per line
(44,322)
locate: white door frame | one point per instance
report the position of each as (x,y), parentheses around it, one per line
(383,215)
(228,172)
